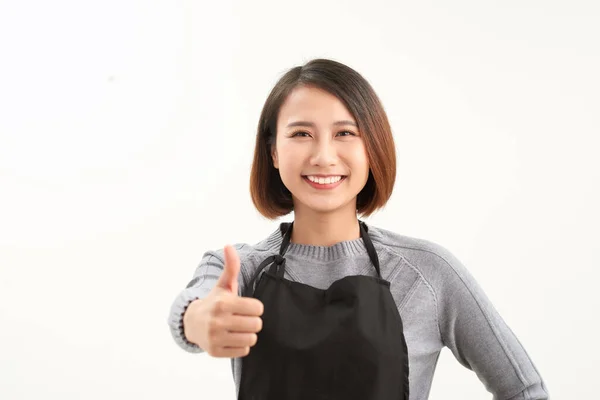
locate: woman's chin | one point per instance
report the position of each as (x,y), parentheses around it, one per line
(324,207)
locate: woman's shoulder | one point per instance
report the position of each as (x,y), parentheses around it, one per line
(431,259)
(404,243)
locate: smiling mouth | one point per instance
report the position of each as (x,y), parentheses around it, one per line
(324,180)
(320,182)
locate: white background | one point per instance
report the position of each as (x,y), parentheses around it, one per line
(126,136)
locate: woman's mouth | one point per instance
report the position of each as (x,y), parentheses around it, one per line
(320,182)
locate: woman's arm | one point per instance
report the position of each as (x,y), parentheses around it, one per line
(480,339)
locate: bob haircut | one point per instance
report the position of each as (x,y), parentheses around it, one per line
(269,195)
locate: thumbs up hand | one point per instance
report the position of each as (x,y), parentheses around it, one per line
(224,324)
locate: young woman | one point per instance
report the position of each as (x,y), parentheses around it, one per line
(328,307)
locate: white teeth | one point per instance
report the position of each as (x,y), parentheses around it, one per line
(324,181)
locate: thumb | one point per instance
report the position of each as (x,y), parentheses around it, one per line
(229,278)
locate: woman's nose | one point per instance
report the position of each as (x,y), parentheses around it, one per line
(324,153)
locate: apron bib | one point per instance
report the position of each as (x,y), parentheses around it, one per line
(342,343)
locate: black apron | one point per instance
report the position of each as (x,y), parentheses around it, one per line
(342,343)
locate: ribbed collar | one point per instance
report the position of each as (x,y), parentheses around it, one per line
(339,250)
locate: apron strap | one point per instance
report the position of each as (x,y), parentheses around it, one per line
(278,261)
(369,245)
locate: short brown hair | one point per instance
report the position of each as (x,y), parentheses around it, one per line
(269,195)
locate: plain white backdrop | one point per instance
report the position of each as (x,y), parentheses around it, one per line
(126,137)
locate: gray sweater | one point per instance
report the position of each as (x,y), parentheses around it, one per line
(439,301)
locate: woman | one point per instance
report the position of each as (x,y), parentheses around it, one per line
(328,307)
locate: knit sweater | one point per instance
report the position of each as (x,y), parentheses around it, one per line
(439,302)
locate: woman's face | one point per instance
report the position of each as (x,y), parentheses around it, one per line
(319,151)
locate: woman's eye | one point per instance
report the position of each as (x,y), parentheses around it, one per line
(302,134)
(348,133)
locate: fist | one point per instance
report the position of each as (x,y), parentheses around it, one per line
(224,324)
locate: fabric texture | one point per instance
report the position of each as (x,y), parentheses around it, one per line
(440,303)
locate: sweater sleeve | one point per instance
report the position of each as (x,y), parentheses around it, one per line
(479,338)
(204,279)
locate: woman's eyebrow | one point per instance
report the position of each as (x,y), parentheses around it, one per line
(312,125)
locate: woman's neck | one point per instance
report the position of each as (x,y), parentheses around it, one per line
(325,229)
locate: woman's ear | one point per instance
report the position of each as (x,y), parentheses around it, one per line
(274,156)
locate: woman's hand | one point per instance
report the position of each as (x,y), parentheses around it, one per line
(224,324)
